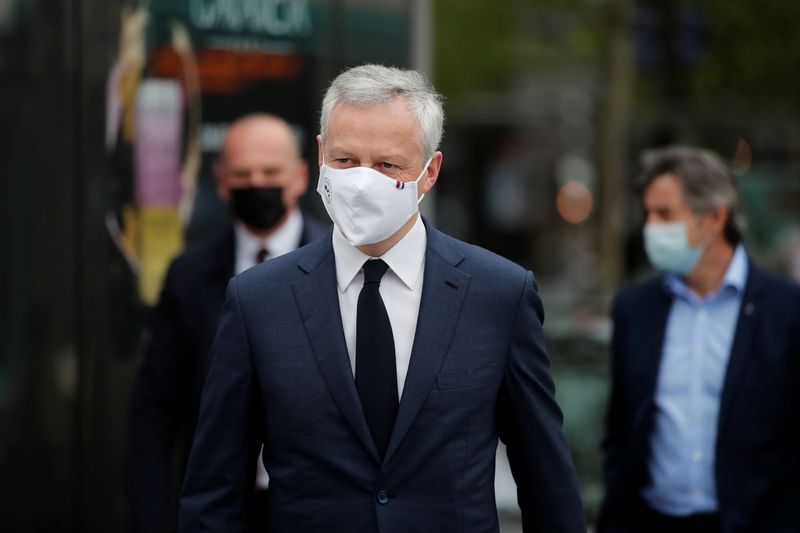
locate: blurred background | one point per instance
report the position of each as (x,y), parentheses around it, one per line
(112,112)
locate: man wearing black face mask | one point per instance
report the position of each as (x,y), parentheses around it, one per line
(261,176)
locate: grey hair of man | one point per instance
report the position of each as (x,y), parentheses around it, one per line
(708,182)
(368,85)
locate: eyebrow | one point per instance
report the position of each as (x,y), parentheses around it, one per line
(395,157)
(250,168)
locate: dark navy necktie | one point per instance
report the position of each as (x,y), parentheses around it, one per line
(261,256)
(376,372)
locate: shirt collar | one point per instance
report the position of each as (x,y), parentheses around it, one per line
(283,240)
(735,276)
(405,258)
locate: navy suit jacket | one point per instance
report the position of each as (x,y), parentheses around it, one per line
(166,395)
(281,374)
(757,467)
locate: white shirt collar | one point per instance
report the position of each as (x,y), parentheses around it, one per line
(736,275)
(404,258)
(283,240)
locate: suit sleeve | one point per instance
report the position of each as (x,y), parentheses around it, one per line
(530,424)
(159,398)
(220,474)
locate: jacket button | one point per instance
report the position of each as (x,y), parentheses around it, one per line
(383,497)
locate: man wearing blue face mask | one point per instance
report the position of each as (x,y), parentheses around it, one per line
(387,360)
(702,432)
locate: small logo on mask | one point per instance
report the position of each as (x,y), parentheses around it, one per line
(326,185)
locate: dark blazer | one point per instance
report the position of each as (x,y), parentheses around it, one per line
(757,465)
(281,374)
(166,394)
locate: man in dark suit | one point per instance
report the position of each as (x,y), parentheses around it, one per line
(388,359)
(261,175)
(702,432)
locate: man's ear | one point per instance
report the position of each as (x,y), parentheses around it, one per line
(718,218)
(219,177)
(297,184)
(302,177)
(320,153)
(431,173)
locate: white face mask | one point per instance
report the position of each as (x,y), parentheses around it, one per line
(364,204)
(667,246)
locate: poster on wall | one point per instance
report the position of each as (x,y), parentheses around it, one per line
(184,71)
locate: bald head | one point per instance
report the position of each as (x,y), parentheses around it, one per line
(261,151)
(268,131)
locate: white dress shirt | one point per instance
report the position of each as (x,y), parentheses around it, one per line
(401,291)
(284,240)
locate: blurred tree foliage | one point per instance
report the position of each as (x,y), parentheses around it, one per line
(718,58)
(474,48)
(713,55)
(485,45)
(753,53)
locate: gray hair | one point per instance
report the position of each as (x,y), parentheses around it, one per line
(708,182)
(376,84)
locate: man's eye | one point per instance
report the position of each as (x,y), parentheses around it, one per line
(271,171)
(344,160)
(388,166)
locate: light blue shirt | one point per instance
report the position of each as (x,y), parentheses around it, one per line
(697,345)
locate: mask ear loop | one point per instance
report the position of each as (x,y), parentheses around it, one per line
(424,170)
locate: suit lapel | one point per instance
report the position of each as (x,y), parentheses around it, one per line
(229,266)
(651,343)
(746,326)
(220,261)
(318,304)
(443,291)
